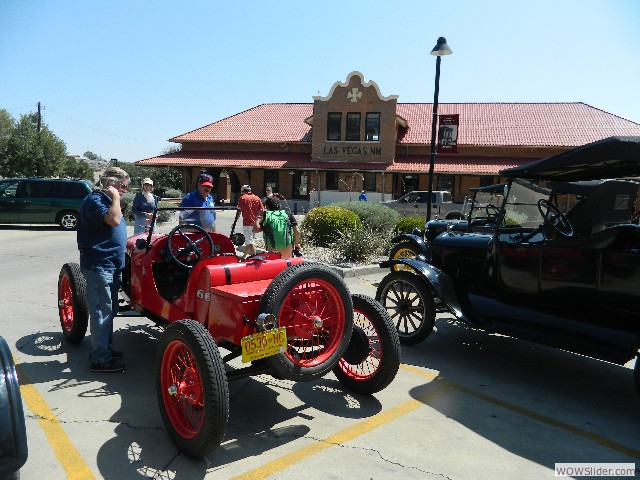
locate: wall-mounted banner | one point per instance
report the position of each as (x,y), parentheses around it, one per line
(448,134)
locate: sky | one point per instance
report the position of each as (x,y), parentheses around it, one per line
(121,77)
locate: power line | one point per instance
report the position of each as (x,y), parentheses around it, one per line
(91,127)
(18,108)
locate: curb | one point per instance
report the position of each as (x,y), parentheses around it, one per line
(348,272)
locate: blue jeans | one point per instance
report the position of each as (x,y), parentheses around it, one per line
(103,285)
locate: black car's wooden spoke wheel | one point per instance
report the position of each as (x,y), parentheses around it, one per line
(409,304)
(402,250)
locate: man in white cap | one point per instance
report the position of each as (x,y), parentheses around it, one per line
(144,203)
(249,205)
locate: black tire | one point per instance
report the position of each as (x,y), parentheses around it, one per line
(13,441)
(192,388)
(372,358)
(410,305)
(72,303)
(402,250)
(313,302)
(68,220)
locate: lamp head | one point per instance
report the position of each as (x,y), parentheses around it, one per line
(441,48)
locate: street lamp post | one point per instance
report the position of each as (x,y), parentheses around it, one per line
(440,49)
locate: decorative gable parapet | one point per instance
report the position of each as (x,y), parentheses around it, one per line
(354,123)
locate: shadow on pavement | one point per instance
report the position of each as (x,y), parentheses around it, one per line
(132,441)
(540,403)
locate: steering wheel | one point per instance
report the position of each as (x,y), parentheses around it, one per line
(555,218)
(191,251)
(492,211)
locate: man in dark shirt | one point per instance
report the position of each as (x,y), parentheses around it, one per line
(102,238)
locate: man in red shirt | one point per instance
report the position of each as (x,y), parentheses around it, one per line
(250,205)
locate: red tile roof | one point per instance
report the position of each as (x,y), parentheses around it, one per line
(271,122)
(481,124)
(517,124)
(507,124)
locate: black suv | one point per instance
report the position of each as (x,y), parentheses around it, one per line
(570,280)
(42,200)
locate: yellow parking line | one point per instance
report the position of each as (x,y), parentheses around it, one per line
(618,447)
(343,436)
(69,458)
(382,418)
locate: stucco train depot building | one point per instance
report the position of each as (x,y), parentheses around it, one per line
(355,138)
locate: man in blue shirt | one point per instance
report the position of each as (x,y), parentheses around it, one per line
(200,197)
(363,196)
(102,238)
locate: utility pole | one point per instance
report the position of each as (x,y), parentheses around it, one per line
(39,117)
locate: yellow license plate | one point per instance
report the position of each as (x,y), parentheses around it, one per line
(264,344)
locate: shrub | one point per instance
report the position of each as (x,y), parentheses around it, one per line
(323,225)
(171,193)
(360,245)
(376,217)
(407,224)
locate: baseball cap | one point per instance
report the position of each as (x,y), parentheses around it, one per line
(147,181)
(205,179)
(245,188)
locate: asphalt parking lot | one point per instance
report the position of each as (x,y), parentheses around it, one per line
(464,405)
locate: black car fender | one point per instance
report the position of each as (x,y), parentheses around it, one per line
(421,246)
(440,283)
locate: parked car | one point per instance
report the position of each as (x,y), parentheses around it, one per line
(42,200)
(416,203)
(285,317)
(568,281)
(13,432)
(480,205)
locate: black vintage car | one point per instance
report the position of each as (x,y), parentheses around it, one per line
(570,280)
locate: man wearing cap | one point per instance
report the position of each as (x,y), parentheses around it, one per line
(102,239)
(200,197)
(250,205)
(144,203)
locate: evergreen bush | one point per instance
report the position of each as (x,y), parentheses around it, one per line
(172,193)
(407,224)
(322,226)
(374,216)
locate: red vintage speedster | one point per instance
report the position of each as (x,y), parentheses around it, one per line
(288,318)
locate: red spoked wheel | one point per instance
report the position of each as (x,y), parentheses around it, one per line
(313,303)
(192,388)
(72,303)
(372,358)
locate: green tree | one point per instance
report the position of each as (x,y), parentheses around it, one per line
(7,125)
(77,169)
(32,153)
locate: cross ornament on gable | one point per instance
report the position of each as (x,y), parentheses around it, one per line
(354,94)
